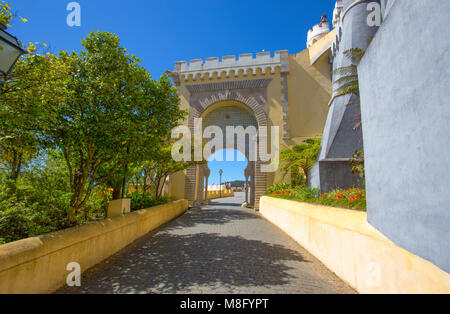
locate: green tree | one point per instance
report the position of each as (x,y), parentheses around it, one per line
(141,151)
(23,94)
(357,163)
(157,168)
(299,159)
(5,13)
(111,105)
(30,81)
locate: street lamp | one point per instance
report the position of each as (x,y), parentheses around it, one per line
(10,50)
(221,173)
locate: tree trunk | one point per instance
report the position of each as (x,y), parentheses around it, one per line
(16,166)
(144,188)
(116,194)
(161,188)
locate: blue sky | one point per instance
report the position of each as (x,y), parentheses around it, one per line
(232,170)
(163,32)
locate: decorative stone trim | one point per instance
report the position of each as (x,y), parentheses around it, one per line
(253,94)
(231,66)
(206,95)
(261,83)
(189,187)
(285,100)
(339,7)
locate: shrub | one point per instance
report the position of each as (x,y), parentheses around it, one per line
(20,219)
(279,187)
(351,199)
(357,163)
(306,193)
(141,200)
(299,159)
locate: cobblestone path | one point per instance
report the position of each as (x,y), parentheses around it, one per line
(219,248)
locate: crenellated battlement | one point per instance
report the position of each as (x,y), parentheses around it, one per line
(338,8)
(337,24)
(244,64)
(318,31)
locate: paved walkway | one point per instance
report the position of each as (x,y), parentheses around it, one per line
(220,248)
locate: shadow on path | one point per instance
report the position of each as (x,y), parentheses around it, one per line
(171,263)
(218,248)
(213,216)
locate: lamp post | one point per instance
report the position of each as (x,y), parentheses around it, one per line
(10,51)
(220,173)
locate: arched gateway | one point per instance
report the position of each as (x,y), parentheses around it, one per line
(233,114)
(228,104)
(254,90)
(233,92)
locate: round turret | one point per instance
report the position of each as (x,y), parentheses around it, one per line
(318,31)
(338,8)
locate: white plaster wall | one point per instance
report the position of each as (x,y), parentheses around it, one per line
(405,98)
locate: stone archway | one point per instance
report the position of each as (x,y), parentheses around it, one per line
(226,114)
(251,97)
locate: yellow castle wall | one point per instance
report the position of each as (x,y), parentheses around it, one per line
(309,91)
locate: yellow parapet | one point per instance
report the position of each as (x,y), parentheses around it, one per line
(39,265)
(358,253)
(321,47)
(216,194)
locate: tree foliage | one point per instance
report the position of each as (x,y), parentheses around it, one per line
(6,14)
(112,106)
(24,93)
(357,163)
(99,108)
(156,169)
(301,158)
(75,125)
(347,82)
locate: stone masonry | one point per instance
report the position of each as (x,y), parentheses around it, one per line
(219,249)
